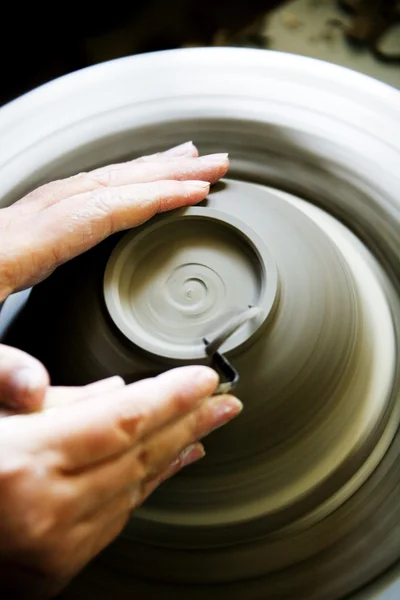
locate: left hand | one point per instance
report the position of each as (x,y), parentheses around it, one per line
(57,514)
(62,219)
(65,218)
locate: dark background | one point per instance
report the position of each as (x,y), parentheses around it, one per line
(39,43)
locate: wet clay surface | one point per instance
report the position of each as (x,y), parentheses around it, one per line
(300,497)
(142,303)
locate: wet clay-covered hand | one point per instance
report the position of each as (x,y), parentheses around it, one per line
(71,474)
(75,462)
(62,219)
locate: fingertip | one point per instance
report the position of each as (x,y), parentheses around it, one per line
(207,378)
(194,185)
(193,151)
(196,380)
(190,455)
(228,405)
(224,167)
(185,149)
(104,385)
(28,386)
(196,191)
(218,163)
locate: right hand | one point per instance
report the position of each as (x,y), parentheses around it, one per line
(71,474)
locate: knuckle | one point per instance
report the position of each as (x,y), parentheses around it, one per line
(103,206)
(127,422)
(100,439)
(150,459)
(101,200)
(145,459)
(98,180)
(196,424)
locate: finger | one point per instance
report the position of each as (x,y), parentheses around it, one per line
(155,453)
(147,465)
(185,149)
(72,226)
(76,224)
(60,396)
(206,168)
(102,484)
(23,380)
(86,433)
(55,191)
(144,468)
(190,455)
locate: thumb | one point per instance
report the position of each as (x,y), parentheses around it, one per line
(23,380)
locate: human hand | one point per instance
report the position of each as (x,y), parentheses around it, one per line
(62,219)
(71,474)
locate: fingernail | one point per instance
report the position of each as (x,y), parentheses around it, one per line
(105,385)
(224,409)
(213,159)
(191,454)
(112,380)
(180,149)
(193,186)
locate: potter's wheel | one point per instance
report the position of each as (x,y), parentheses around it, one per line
(300,497)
